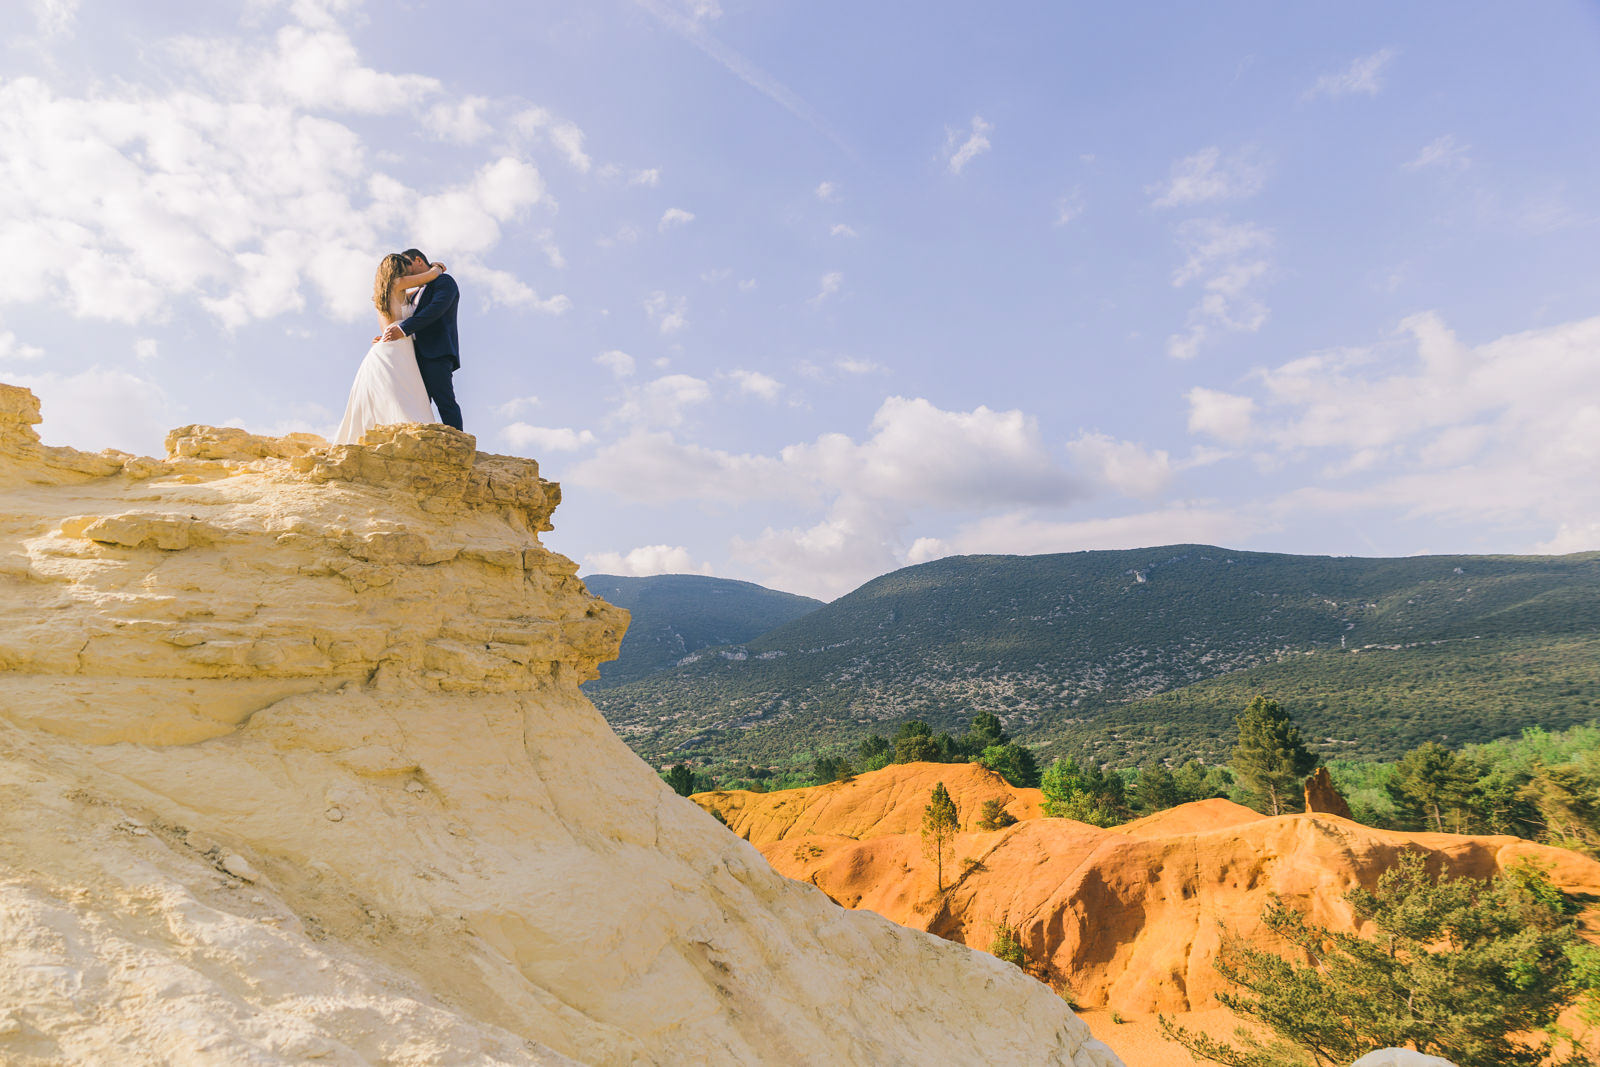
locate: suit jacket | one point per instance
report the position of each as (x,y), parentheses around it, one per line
(432,326)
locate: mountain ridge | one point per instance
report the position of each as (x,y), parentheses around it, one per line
(1049,642)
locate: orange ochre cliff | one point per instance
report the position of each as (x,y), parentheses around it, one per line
(1127,918)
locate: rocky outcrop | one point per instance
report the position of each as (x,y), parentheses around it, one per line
(868,805)
(1323,797)
(1127,917)
(294,767)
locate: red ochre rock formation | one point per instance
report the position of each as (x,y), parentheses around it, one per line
(1127,917)
(889,801)
(1323,797)
(294,767)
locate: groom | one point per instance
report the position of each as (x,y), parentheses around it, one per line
(432,328)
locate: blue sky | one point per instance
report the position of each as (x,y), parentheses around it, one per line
(800,293)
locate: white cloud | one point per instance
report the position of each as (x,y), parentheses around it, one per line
(1026,532)
(1364,75)
(652,466)
(1501,434)
(1445,152)
(648,178)
(461,121)
(618,362)
(145,349)
(1221,415)
(515,406)
(858,366)
(1122,466)
(546,438)
(828,192)
(747,285)
(1228,260)
(645,560)
(566,137)
(498,287)
(674,216)
(975,145)
(756,384)
(13,348)
(915,459)
(830,284)
(231,188)
(841,229)
(702,9)
(102,407)
(669,314)
(663,402)
(311,67)
(55,17)
(1208,175)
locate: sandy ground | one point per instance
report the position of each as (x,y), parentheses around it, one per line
(1137,1039)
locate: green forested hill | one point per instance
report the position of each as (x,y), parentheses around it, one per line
(1080,646)
(676,614)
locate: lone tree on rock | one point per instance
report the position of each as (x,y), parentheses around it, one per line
(940,822)
(1270,758)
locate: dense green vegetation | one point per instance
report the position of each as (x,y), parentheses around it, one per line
(1542,786)
(1145,654)
(1371,704)
(675,615)
(1458,968)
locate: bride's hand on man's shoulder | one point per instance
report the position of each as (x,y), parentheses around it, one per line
(438,266)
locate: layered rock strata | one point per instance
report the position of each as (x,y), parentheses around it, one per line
(294,767)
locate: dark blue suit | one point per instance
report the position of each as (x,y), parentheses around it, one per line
(432,328)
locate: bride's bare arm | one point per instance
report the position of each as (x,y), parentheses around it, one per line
(411,281)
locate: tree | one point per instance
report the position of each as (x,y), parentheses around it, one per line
(994,816)
(875,752)
(832,769)
(986,732)
(1080,790)
(1156,789)
(681,779)
(940,823)
(1270,758)
(1195,781)
(1459,968)
(1013,762)
(1433,780)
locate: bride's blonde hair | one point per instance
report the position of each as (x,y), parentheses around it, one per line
(390,270)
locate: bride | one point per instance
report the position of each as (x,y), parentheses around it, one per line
(388,386)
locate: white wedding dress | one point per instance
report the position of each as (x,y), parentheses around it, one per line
(388,388)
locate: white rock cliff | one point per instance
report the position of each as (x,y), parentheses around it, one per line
(294,768)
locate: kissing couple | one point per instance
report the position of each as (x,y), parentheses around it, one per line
(407,371)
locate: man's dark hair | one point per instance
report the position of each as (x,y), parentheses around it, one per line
(413,253)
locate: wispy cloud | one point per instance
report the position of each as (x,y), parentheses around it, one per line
(1209,175)
(976,144)
(688,27)
(1364,76)
(1445,152)
(674,216)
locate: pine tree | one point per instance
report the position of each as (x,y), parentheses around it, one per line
(940,822)
(1270,758)
(1432,779)
(1155,788)
(1473,971)
(681,779)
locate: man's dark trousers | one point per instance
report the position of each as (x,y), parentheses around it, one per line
(432,329)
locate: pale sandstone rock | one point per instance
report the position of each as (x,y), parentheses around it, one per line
(350,673)
(1400,1057)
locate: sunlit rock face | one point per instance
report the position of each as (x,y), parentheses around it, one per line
(1129,918)
(294,768)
